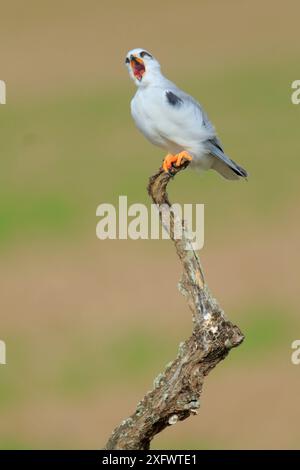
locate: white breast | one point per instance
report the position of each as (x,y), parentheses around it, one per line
(146,114)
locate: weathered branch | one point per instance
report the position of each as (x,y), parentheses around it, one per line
(177,390)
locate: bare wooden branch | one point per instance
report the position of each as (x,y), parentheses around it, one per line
(177,390)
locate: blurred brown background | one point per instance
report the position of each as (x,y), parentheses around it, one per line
(87,322)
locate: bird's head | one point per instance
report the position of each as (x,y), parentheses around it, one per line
(142,66)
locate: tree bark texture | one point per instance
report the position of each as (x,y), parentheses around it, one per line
(177,390)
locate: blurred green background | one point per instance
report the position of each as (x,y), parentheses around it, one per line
(87,322)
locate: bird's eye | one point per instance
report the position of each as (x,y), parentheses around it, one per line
(126,60)
(143,53)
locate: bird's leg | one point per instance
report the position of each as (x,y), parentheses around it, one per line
(183,156)
(168,161)
(175,159)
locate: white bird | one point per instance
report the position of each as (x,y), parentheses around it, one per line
(173,120)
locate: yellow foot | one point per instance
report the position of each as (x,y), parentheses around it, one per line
(175,159)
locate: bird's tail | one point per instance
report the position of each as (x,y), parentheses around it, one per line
(232,172)
(228,168)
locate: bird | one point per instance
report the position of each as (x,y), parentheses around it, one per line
(173,120)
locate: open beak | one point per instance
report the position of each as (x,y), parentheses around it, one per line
(138,67)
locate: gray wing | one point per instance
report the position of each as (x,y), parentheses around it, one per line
(176,97)
(215,147)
